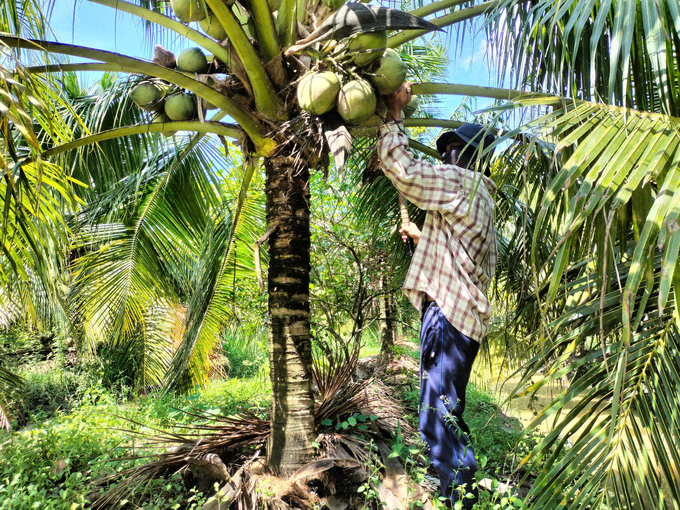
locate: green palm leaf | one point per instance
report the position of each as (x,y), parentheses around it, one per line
(616,430)
(614,51)
(225,252)
(9,383)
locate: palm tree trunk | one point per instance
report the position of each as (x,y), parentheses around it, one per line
(290,348)
(387,323)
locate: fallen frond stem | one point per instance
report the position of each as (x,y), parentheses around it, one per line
(232,433)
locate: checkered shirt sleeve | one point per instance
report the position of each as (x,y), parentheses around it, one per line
(456,256)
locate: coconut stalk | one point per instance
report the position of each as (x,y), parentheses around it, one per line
(266,100)
(302,8)
(265,28)
(65,68)
(202,40)
(288,22)
(422,89)
(426,10)
(218,128)
(133,65)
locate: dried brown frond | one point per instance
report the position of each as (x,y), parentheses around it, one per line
(224,436)
(372,171)
(344,390)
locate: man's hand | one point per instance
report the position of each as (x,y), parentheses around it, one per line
(397,100)
(410,230)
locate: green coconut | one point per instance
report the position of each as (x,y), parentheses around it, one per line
(192,60)
(356,101)
(162,118)
(180,107)
(411,107)
(388,72)
(213,27)
(368,47)
(146,95)
(317,93)
(188,10)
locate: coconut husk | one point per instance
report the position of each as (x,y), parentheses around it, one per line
(372,170)
(163,57)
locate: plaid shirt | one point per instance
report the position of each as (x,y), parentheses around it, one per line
(456,256)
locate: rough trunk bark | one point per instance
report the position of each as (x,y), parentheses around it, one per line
(387,322)
(290,348)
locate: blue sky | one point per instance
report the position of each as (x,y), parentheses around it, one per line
(104,28)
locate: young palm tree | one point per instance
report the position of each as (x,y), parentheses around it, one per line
(157,225)
(600,244)
(33,194)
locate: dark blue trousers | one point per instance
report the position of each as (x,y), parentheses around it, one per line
(446,357)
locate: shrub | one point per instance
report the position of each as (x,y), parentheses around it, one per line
(246,350)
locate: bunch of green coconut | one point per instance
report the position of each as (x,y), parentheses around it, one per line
(373,70)
(167,103)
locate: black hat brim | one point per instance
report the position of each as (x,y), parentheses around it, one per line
(446,139)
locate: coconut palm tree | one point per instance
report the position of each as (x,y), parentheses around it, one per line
(600,244)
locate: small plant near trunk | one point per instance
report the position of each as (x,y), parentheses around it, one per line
(373,467)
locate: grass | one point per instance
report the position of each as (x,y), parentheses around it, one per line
(49,463)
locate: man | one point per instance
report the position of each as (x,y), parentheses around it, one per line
(447,280)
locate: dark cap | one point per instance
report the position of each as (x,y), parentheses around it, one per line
(471,134)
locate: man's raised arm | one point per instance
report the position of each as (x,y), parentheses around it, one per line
(428,186)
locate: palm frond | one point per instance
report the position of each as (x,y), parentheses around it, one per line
(617,52)
(614,421)
(36,194)
(603,192)
(211,304)
(9,383)
(140,266)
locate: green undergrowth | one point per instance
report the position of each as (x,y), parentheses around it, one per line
(49,463)
(370,345)
(74,430)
